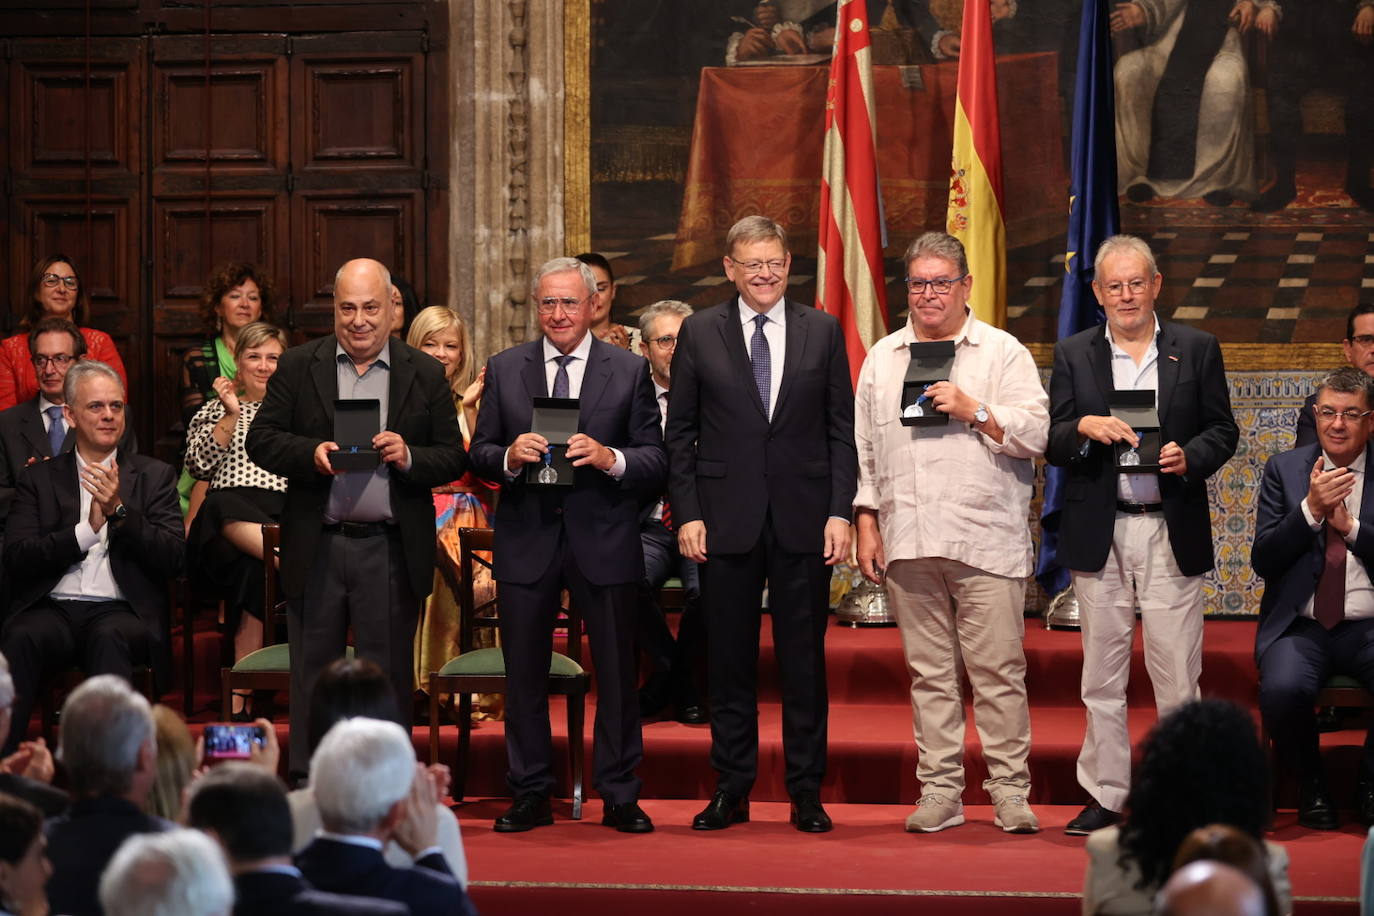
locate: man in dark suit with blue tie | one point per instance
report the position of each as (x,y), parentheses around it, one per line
(761,438)
(584,538)
(1317,613)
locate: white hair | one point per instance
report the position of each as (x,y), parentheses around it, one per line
(177,873)
(83,369)
(1125,244)
(662,307)
(563,266)
(6,684)
(360,770)
(104,723)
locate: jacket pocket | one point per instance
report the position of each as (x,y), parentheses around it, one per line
(708,468)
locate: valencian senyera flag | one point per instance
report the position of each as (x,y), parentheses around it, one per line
(849,262)
(976,213)
(1094,216)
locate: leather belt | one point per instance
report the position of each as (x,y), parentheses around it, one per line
(360,529)
(1138,508)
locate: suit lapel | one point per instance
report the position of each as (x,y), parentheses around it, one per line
(594,379)
(732,334)
(1100,355)
(536,384)
(797,327)
(31,428)
(68,489)
(1169,362)
(325,372)
(402,377)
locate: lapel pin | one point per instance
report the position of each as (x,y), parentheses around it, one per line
(1174,358)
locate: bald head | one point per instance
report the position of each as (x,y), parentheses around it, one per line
(362,308)
(1207,888)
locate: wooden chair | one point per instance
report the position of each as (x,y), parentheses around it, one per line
(1339,691)
(484,670)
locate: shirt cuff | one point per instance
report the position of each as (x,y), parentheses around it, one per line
(1312,521)
(617,470)
(1354,532)
(405,466)
(86,536)
(866,498)
(505,466)
(430,851)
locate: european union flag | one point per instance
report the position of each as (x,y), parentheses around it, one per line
(1094,216)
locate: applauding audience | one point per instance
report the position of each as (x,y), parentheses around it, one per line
(178,873)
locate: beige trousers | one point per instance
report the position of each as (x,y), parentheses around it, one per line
(946,609)
(1140,569)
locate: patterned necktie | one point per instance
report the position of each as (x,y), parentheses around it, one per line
(560,378)
(762,360)
(57,430)
(1328,604)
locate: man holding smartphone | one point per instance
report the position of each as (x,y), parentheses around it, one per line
(946,505)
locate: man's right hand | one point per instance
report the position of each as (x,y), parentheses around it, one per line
(418,828)
(691,540)
(755,44)
(322,457)
(949,45)
(872,559)
(526,449)
(1106,430)
(1328,489)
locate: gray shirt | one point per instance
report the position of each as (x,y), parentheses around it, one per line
(362,496)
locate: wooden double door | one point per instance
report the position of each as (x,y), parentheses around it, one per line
(149,159)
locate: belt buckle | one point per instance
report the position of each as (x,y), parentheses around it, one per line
(353,529)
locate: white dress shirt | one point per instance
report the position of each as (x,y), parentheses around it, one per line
(1127,375)
(661,396)
(91,578)
(1359,590)
(775,332)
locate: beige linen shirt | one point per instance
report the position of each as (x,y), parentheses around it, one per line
(950,491)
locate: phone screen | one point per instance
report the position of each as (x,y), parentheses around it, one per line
(227,741)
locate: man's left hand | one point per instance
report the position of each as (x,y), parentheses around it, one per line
(393,449)
(837,535)
(103,485)
(584,450)
(1172,460)
(1363,29)
(949,398)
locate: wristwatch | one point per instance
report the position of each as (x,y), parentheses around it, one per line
(980,416)
(120,513)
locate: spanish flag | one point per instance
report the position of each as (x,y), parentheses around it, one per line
(849,262)
(976,214)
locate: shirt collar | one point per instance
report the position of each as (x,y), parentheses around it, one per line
(777,313)
(44,403)
(659,391)
(1107,326)
(970,332)
(352,839)
(1356,466)
(582,351)
(82,462)
(383,358)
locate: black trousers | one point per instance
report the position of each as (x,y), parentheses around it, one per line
(528,612)
(358,582)
(1292,671)
(671,660)
(99,637)
(798,603)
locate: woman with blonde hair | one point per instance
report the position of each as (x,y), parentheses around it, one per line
(465,503)
(176,763)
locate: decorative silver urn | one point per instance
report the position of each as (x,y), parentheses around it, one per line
(865,605)
(1062,614)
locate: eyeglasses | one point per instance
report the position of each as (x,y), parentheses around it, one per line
(51,281)
(569,306)
(667,342)
(1136,286)
(940,285)
(1363,340)
(775,265)
(1327,415)
(61,361)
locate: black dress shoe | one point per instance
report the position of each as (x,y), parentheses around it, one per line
(692,714)
(807,814)
(723,811)
(1092,817)
(1140,192)
(1364,802)
(627,817)
(1315,810)
(528,812)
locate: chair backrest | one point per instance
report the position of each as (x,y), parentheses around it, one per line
(273,606)
(474,547)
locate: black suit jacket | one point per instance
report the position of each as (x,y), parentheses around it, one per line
(1287,553)
(428,888)
(1305,430)
(82,842)
(298,414)
(731,466)
(146,549)
(22,438)
(617,408)
(1194,411)
(268,893)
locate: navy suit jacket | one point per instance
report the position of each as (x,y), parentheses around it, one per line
(1287,553)
(428,888)
(1194,411)
(731,465)
(1305,430)
(272,893)
(616,407)
(82,842)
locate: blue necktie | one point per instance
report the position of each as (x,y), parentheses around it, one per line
(560,378)
(762,360)
(57,430)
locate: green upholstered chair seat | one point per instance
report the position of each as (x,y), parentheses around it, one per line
(1342,681)
(673,583)
(491,662)
(270,658)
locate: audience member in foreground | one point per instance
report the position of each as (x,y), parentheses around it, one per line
(1313,547)
(109,752)
(369,790)
(583,537)
(177,873)
(26,773)
(1224,843)
(24,868)
(356,687)
(1209,888)
(92,538)
(1201,765)
(954,547)
(243,808)
(1141,537)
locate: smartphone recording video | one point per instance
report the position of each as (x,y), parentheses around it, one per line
(228,741)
